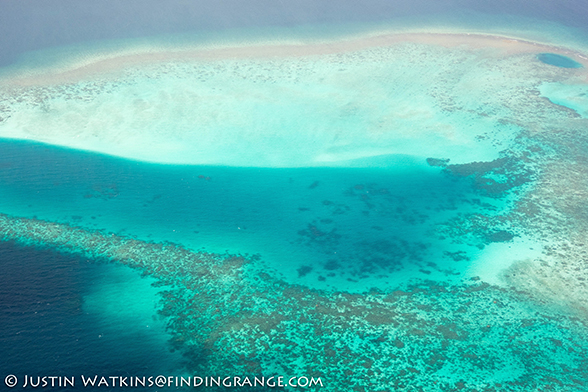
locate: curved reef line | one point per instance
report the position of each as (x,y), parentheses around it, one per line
(225,312)
(227,316)
(317,109)
(101,66)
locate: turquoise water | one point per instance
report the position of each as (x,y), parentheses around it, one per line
(226,314)
(574,97)
(397,217)
(558,60)
(338,228)
(330,110)
(464,104)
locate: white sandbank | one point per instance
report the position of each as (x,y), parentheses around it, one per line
(110,63)
(457,96)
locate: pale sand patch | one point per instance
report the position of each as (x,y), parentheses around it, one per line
(108,67)
(457,96)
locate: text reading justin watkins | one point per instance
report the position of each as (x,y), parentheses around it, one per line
(96,381)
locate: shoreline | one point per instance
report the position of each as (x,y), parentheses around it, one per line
(105,67)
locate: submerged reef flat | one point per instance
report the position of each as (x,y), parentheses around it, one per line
(490,296)
(432,95)
(555,211)
(224,312)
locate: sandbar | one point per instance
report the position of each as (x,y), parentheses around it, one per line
(463,97)
(104,65)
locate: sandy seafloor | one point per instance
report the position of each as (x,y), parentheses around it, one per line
(391,205)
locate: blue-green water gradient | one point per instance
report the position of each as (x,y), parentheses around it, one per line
(340,228)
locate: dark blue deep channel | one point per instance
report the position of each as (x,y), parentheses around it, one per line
(53,324)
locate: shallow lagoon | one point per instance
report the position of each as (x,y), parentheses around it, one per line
(279,188)
(338,228)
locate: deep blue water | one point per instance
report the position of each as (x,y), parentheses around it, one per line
(51,325)
(50,317)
